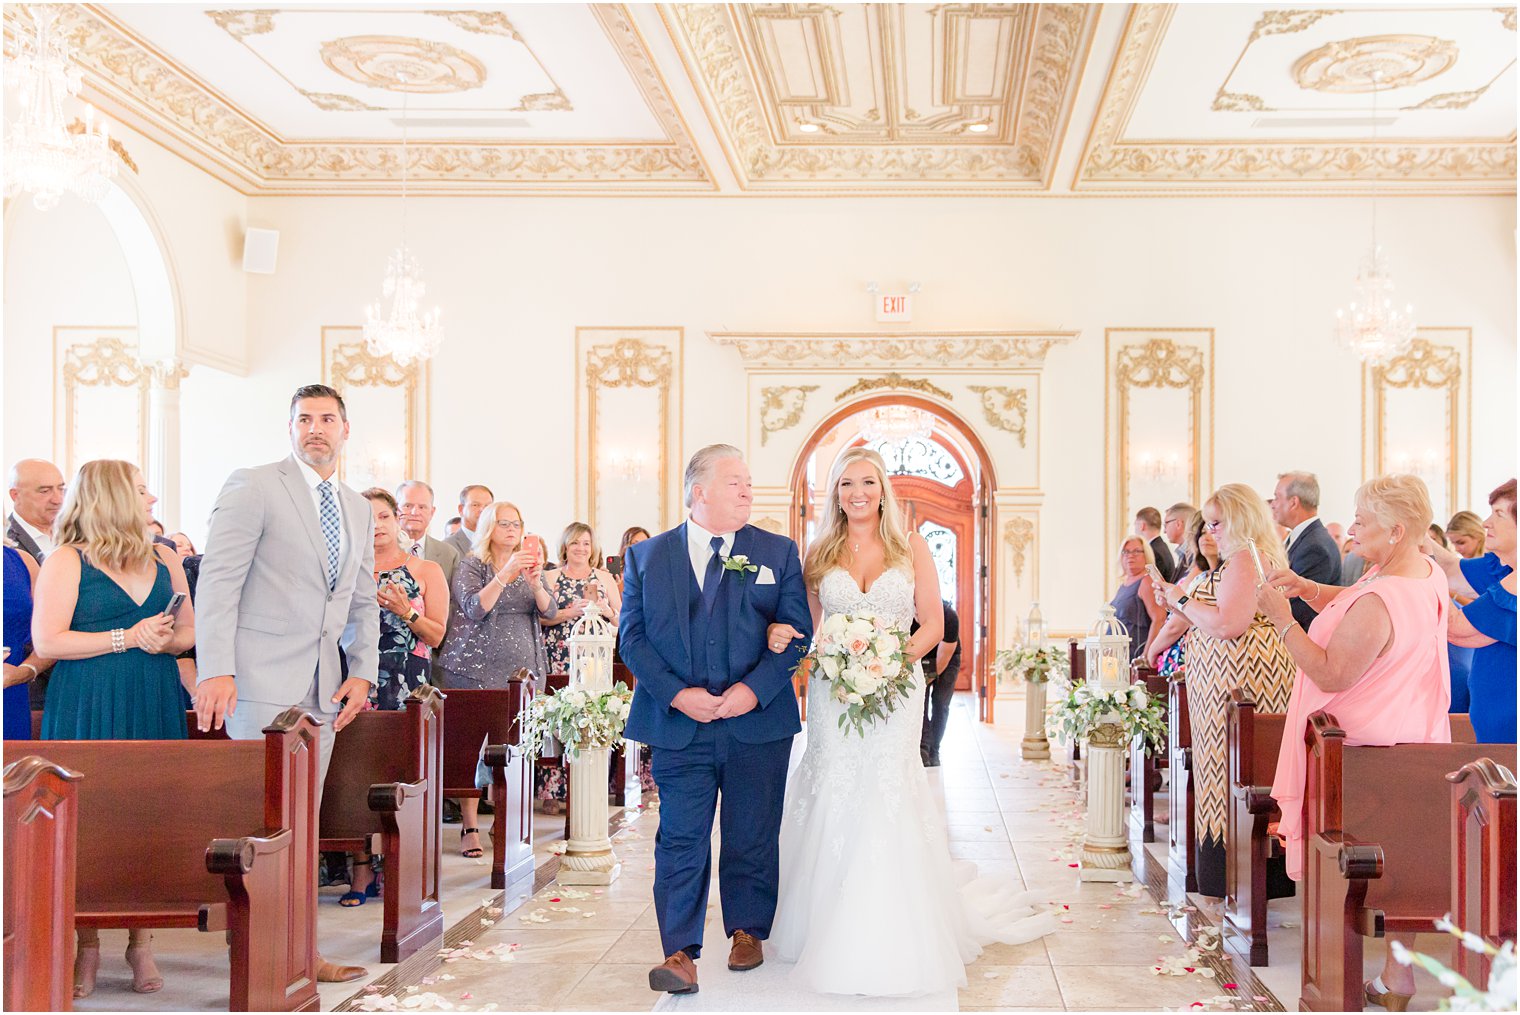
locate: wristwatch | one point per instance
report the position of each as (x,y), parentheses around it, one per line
(1182,602)
(413,617)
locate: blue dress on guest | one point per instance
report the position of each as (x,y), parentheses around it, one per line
(1492,681)
(18,638)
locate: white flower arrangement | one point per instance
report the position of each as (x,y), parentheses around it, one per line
(1501,993)
(864,661)
(1136,711)
(740,565)
(1032,665)
(582,720)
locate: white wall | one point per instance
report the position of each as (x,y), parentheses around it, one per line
(516,276)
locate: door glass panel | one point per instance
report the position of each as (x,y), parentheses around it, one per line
(942,547)
(918,457)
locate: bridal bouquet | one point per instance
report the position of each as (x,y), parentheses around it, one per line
(862,658)
(581,720)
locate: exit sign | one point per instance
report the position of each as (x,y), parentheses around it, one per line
(894,307)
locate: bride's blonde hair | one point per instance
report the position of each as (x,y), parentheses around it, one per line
(829,549)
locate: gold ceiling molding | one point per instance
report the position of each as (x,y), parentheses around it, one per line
(1111,162)
(335,103)
(781,407)
(481,22)
(1005,408)
(400,64)
(1018,534)
(894,380)
(719,43)
(174,107)
(847,352)
(1348,66)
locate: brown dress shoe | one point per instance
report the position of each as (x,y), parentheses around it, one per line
(331,972)
(746,953)
(676,975)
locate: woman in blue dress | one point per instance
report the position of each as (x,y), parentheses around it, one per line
(1487,624)
(100,611)
(22,665)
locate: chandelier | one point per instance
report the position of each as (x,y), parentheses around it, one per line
(895,424)
(405,334)
(1372,325)
(45,155)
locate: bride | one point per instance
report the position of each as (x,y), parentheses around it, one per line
(870,901)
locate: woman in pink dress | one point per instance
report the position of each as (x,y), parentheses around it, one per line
(1374,658)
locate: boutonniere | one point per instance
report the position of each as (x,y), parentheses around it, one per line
(739,564)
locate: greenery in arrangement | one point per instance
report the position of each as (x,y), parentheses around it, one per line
(1501,994)
(581,720)
(863,660)
(1133,709)
(1033,665)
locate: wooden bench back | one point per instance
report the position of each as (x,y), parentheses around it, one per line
(41,820)
(1254,738)
(1483,865)
(477,717)
(380,748)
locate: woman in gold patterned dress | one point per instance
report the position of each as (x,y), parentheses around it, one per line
(1229,645)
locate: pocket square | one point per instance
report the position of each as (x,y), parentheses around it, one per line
(766,576)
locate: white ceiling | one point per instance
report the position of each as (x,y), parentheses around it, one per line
(1035,99)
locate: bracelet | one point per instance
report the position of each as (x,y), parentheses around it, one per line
(498,581)
(1317,591)
(29,666)
(118,640)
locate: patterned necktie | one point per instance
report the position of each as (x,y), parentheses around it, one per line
(417,548)
(713,576)
(330,531)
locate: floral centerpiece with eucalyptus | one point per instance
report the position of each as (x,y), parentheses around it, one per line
(1032,664)
(1133,708)
(582,720)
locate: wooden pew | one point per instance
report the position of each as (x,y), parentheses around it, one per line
(1377,851)
(1483,868)
(1077,661)
(625,763)
(1145,767)
(477,717)
(384,795)
(1181,836)
(1254,739)
(214,834)
(41,822)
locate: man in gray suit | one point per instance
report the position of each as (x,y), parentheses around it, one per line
(473,499)
(414,499)
(288,578)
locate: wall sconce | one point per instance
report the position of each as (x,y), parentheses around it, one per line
(1159,467)
(1424,464)
(625,466)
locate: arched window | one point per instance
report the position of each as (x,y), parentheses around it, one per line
(942,546)
(919,457)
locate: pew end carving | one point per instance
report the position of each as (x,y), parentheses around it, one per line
(1253,740)
(481,719)
(41,826)
(1483,859)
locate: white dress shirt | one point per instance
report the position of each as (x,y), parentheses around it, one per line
(44,540)
(1298,530)
(699,546)
(313,480)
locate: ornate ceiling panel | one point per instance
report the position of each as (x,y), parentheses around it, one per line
(886,96)
(308,100)
(1228,96)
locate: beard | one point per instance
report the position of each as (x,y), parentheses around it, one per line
(316,455)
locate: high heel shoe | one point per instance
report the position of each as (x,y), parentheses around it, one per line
(1376,993)
(86,966)
(471,852)
(144,983)
(357,896)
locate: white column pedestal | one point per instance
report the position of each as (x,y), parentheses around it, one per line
(162,466)
(589,859)
(1105,845)
(1035,747)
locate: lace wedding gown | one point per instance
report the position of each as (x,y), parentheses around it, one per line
(870,901)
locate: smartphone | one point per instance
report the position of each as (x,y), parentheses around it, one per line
(175,602)
(1261,573)
(1151,570)
(615,565)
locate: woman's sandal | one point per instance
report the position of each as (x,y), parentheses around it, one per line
(144,984)
(86,966)
(352,898)
(474,852)
(1384,998)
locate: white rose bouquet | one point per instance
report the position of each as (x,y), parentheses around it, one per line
(1136,711)
(1032,665)
(582,720)
(864,661)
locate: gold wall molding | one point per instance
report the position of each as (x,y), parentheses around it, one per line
(848,352)
(1439,359)
(1348,65)
(163,100)
(349,366)
(1018,536)
(108,359)
(1110,161)
(1005,408)
(895,381)
(781,407)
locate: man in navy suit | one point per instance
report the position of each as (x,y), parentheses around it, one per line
(1312,551)
(714,703)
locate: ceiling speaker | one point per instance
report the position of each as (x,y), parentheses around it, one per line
(260,249)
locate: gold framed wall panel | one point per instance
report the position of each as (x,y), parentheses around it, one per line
(1164,360)
(388,410)
(648,364)
(97,358)
(1439,360)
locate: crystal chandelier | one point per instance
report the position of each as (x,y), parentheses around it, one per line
(1373,326)
(895,424)
(45,155)
(405,335)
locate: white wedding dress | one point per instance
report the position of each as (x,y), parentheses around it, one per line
(870,900)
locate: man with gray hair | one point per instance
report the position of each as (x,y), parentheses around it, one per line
(714,702)
(415,511)
(1312,551)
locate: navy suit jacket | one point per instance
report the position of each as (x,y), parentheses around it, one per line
(655,636)
(1314,555)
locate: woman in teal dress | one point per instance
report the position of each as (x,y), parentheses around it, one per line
(99,611)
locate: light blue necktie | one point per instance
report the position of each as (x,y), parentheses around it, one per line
(330,531)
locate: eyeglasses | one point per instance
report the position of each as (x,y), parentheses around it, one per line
(1136,553)
(509,524)
(1214,526)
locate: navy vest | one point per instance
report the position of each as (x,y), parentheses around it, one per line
(709,635)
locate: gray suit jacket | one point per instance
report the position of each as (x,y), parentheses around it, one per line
(460,540)
(262,609)
(22,538)
(443,554)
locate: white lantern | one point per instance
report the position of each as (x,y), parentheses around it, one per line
(592,640)
(1107,649)
(1034,628)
